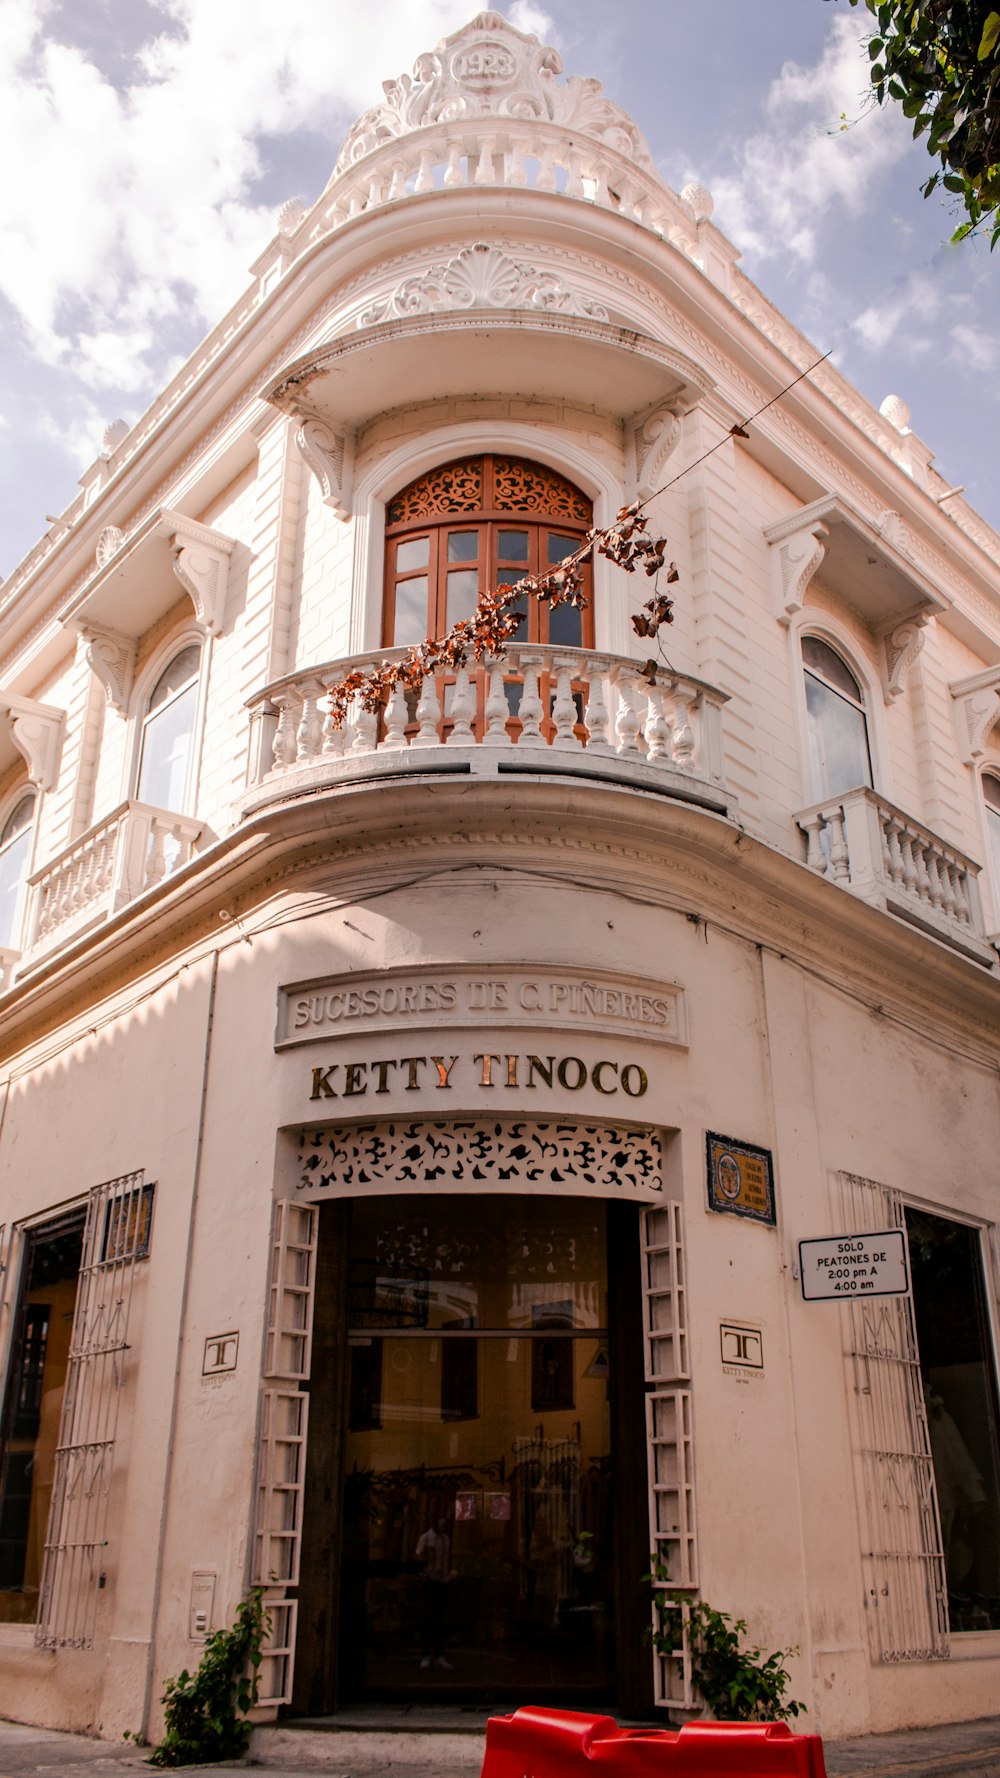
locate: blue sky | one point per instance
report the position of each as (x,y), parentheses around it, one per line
(155,142)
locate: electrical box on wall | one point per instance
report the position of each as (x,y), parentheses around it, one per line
(202,1605)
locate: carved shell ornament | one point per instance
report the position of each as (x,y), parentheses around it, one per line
(490,69)
(482,277)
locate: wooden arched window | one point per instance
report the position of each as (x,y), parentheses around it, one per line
(840,753)
(474,524)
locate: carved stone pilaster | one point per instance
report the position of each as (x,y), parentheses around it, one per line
(202,567)
(901,647)
(36,731)
(651,440)
(977,711)
(795,560)
(329,454)
(111,659)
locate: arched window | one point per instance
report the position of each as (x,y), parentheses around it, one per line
(474,524)
(166,742)
(15,857)
(839,751)
(991,798)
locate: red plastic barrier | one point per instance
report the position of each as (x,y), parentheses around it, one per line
(536,1743)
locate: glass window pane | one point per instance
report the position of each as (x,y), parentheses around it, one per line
(463,594)
(959,1385)
(825,661)
(566,626)
(411,554)
(22,817)
(991,791)
(557,547)
(993,830)
(512,546)
(411,621)
(166,751)
(463,546)
(13,866)
(838,741)
(182,669)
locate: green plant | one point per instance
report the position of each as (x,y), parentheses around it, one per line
(737,1684)
(205,1711)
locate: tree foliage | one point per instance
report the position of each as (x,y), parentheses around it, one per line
(941,60)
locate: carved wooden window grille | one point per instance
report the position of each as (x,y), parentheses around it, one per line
(905,1585)
(590,1158)
(281,1440)
(116,1237)
(669,1441)
(475,524)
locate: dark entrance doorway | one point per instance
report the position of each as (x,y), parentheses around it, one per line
(476,1497)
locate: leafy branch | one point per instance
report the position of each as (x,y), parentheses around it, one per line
(940,59)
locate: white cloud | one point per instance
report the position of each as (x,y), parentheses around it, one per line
(790,172)
(137,210)
(525,16)
(974,348)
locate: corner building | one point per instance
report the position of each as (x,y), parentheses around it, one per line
(409,1127)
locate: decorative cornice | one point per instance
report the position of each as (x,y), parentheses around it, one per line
(111,658)
(490,69)
(901,647)
(36,731)
(651,440)
(482,277)
(977,711)
(329,454)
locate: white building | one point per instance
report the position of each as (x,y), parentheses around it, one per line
(376,1071)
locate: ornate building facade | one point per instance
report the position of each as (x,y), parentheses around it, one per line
(409,1125)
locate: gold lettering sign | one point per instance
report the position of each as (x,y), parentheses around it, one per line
(491,1070)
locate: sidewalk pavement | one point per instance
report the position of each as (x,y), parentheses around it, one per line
(955,1750)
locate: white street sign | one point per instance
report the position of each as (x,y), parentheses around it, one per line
(854,1265)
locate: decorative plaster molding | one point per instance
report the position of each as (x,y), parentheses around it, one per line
(895,532)
(901,647)
(795,560)
(36,731)
(108,544)
(651,441)
(977,711)
(202,567)
(111,658)
(482,277)
(490,69)
(330,456)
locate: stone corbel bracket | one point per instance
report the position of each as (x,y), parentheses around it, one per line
(798,547)
(36,731)
(977,711)
(201,564)
(900,647)
(651,440)
(111,659)
(329,453)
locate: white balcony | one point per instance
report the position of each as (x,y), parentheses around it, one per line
(111,864)
(542,710)
(883,856)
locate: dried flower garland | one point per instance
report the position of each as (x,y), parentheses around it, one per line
(495,622)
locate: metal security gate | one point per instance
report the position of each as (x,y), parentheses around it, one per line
(116,1236)
(906,1589)
(669,1443)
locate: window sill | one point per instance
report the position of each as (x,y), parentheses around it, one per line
(975,1645)
(17,1636)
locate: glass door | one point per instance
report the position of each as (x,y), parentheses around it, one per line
(477,1554)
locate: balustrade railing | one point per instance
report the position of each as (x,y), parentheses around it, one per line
(119,858)
(594,712)
(495,151)
(881,854)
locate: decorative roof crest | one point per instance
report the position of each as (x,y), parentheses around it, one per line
(490,69)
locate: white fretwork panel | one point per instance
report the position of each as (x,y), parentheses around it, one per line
(906,1591)
(116,1236)
(481,1151)
(664,1295)
(288,1353)
(281,1470)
